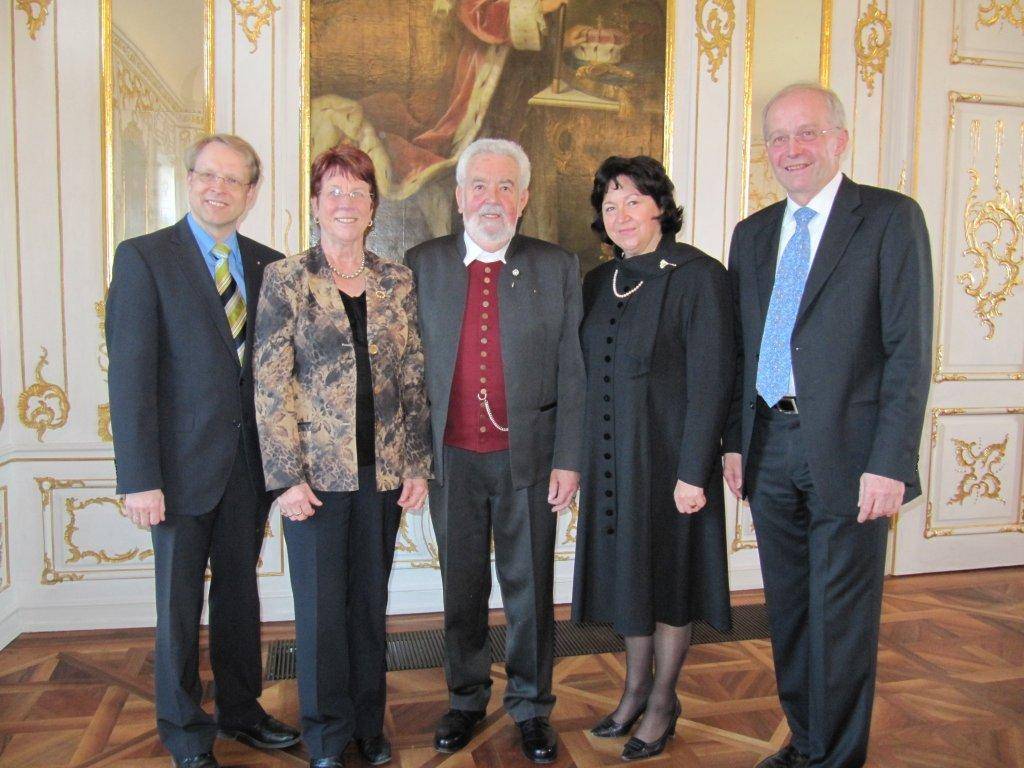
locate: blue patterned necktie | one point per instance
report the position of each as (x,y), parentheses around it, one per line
(775,364)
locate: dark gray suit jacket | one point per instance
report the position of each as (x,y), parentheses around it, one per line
(541,308)
(178,396)
(861,344)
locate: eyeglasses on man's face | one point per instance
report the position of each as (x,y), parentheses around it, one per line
(208,178)
(803,136)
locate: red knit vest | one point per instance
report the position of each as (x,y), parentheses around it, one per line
(479,368)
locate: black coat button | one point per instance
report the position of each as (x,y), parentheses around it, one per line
(609,530)
(609,494)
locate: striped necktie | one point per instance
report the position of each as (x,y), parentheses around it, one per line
(234,304)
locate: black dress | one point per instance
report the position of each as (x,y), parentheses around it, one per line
(660,366)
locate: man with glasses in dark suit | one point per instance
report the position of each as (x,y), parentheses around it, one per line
(833,297)
(180,317)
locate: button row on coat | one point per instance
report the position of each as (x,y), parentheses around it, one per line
(607,474)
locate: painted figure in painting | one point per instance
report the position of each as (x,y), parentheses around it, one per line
(415,83)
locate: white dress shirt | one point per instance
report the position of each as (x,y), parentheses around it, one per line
(821,203)
(475,253)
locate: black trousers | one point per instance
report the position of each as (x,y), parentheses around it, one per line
(823,574)
(229,537)
(477,501)
(340,560)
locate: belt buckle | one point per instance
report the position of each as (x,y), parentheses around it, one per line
(788,405)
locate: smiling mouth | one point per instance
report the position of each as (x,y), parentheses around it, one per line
(216,203)
(345,219)
(796,167)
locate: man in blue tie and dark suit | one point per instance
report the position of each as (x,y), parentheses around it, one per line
(833,296)
(180,317)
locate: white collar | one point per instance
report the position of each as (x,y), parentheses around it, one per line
(475,253)
(821,203)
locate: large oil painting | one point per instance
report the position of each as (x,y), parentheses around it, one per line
(413,82)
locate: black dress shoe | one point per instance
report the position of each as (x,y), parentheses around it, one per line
(787,757)
(638,749)
(375,750)
(327,762)
(265,733)
(205,760)
(455,729)
(540,742)
(609,729)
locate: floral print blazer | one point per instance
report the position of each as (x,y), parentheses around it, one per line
(305,369)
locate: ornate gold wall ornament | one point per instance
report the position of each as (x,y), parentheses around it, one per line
(103,423)
(938,413)
(75,553)
(738,542)
(996,255)
(872,39)
(43,406)
(998,11)
(980,467)
(574,516)
(36,11)
(716,20)
(938,375)
(253,16)
(405,542)
(51,577)
(930,531)
(434,563)
(1,412)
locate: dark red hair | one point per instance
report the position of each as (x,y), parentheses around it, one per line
(344,159)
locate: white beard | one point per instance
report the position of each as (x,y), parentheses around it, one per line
(483,233)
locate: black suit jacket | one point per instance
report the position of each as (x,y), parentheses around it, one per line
(178,396)
(541,307)
(861,344)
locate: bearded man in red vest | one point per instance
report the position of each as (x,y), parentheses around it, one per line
(499,318)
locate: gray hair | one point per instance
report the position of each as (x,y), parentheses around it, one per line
(836,113)
(237,143)
(503,147)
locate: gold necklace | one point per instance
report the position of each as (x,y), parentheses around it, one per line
(347,276)
(624,294)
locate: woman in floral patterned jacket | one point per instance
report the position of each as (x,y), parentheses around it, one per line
(345,436)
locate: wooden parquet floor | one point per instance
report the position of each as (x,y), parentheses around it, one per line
(950,695)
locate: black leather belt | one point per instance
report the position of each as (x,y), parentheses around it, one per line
(787,405)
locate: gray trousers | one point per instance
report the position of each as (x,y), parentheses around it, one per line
(476,502)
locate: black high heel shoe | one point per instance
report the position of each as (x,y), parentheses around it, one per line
(637,749)
(609,729)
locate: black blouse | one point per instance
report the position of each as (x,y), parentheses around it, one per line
(355,308)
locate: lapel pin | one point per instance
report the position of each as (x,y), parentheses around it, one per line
(515,274)
(381,293)
(664,264)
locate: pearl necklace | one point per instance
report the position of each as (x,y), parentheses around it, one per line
(624,294)
(349,276)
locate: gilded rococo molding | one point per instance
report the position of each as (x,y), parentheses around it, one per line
(716,21)
(998,11)
(738,542)
(996,264)
(103,410)
(980,467)
(36,11)
(253,15)
(43,406)
(101,556)
(872,40)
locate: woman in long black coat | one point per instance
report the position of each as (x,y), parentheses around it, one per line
(657,340)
